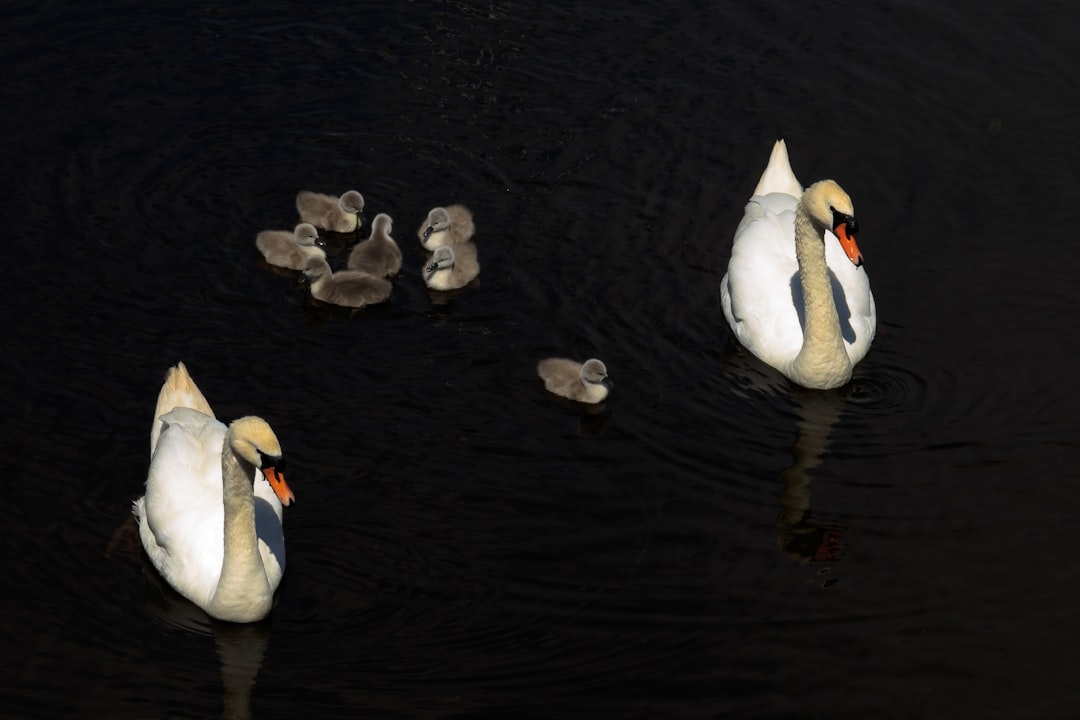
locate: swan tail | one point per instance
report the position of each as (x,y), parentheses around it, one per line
(778,175)
(178,390)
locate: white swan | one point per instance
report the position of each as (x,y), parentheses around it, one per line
(289,249)
(582,382)
(340,215)
(450,225)
(211,517)
(379,255)
(451,268)
(795,293)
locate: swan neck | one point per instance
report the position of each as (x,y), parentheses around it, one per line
(317,284)
(823,360)
(243,583)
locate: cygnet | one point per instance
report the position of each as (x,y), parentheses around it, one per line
(291,249)
(450,225)
(452,267)
(346,288)
(331,213)
(379,255)
(581,382)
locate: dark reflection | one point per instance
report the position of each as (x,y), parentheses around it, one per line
(447,297)
(800,537)
(240,646)
(288,273)
(592,417)
(591,424)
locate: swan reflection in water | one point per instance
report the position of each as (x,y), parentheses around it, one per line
(800,537)
(240,647)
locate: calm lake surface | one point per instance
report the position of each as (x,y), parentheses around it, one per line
(714,543)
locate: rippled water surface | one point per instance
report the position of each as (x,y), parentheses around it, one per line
(714,542)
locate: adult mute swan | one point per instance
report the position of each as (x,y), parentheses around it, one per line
(211,517)
(795,293)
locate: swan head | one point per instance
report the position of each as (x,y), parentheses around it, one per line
(315,268)
(829,206)
(252,439)
(593,371)
(382,223)
(442,259)
(438,220)
(307,236)
(351,202)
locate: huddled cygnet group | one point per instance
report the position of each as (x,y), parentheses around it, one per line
(446,234)
(452,263)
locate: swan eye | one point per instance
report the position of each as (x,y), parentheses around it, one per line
(277,463)
(840,218)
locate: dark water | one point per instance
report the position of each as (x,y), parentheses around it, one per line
(715,543)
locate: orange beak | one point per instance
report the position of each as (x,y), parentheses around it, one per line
(848,243)
(277,482)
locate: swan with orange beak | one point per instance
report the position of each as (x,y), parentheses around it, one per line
(796,294)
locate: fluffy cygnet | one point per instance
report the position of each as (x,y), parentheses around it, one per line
(347,288)
(379,255)
(290,249)
(582,382)
(331,213)
(451,267)
(450,225)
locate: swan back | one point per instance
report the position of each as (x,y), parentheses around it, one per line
(182,515)
(348,288)
(337,214)
(778,176)
(178,390)
(379,255)
(290,249)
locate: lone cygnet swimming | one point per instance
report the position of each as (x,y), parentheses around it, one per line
(582,382)
(451,268)
(331,213)
(450,225)
(290,249)
(346,288)
(379,255)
